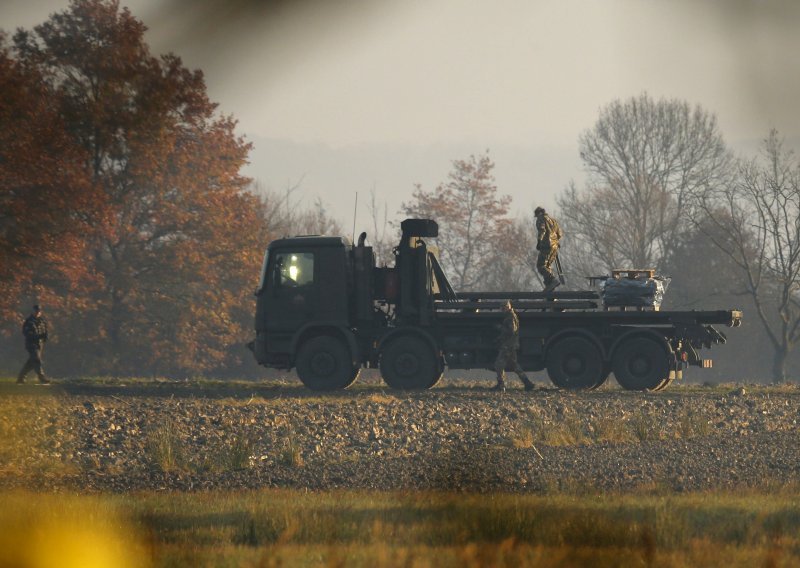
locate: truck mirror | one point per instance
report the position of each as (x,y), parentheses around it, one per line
(276,275)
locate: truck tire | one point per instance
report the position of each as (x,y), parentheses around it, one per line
(409,363)
(641,364)
(323,363)
(575,363)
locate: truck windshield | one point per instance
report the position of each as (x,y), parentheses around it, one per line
(263,279)
(295,268)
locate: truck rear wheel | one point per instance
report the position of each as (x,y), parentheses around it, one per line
(640,363)
(575,363)
(409,363)
(323,363)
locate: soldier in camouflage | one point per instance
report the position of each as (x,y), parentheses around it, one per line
(548,235)
(35,331)
(508,343)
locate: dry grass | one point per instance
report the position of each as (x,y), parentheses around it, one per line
(165,449)
(573,430)
(570,430)
(567,431)
(646,427)
(611,430)
(252,400)
(523,438)
(692,425)
(379,398)
(297,528)
(291,452)
(238,453)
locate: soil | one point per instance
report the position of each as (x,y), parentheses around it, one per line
(123,436)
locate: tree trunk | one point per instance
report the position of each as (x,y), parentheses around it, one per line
(779,364)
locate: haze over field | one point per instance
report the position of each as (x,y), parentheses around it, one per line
(353,95)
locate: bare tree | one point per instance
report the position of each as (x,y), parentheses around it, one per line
(645,160)
(316,220)
(756,222)
(286,215)
(472,220)
(383,238)
(280,210)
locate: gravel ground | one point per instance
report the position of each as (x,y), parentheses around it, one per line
(160,435)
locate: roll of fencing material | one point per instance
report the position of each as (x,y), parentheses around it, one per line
(635,292)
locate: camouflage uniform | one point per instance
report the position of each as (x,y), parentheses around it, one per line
(508,344)
(548,234)
(35,331)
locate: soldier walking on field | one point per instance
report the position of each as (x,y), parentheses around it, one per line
(548,235)
(35,331)
(508,343)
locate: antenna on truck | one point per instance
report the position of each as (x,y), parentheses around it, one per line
(355,212)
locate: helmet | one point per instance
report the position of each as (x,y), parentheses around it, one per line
(538,210)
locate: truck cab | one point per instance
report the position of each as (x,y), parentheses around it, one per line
(305,304)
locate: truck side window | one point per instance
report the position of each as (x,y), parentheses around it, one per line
(294,269)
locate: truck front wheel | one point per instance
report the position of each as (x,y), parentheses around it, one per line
(323,363)
(409,363)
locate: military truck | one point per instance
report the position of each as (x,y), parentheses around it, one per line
(324,308)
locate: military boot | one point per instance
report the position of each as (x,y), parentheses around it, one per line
(499,387)
(529,386)
(554,283)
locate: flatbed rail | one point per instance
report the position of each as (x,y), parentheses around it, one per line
(522,301)
(519,305)
(566,295)
(730,318)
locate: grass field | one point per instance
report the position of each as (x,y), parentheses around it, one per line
(572,526)
(297,528)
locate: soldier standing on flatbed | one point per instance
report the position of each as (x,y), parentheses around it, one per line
(35,331)
(548,235)
(508,343)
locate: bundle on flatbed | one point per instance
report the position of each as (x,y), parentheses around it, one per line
(634,288)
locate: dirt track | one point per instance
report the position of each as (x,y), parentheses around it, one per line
(123,436)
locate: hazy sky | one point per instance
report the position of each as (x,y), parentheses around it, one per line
(351,95)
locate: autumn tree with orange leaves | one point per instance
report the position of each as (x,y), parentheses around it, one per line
(474,230)
(48,204)
(181,238)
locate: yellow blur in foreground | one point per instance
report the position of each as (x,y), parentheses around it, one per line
(58,531)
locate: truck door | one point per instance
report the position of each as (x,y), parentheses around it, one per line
(291,294)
